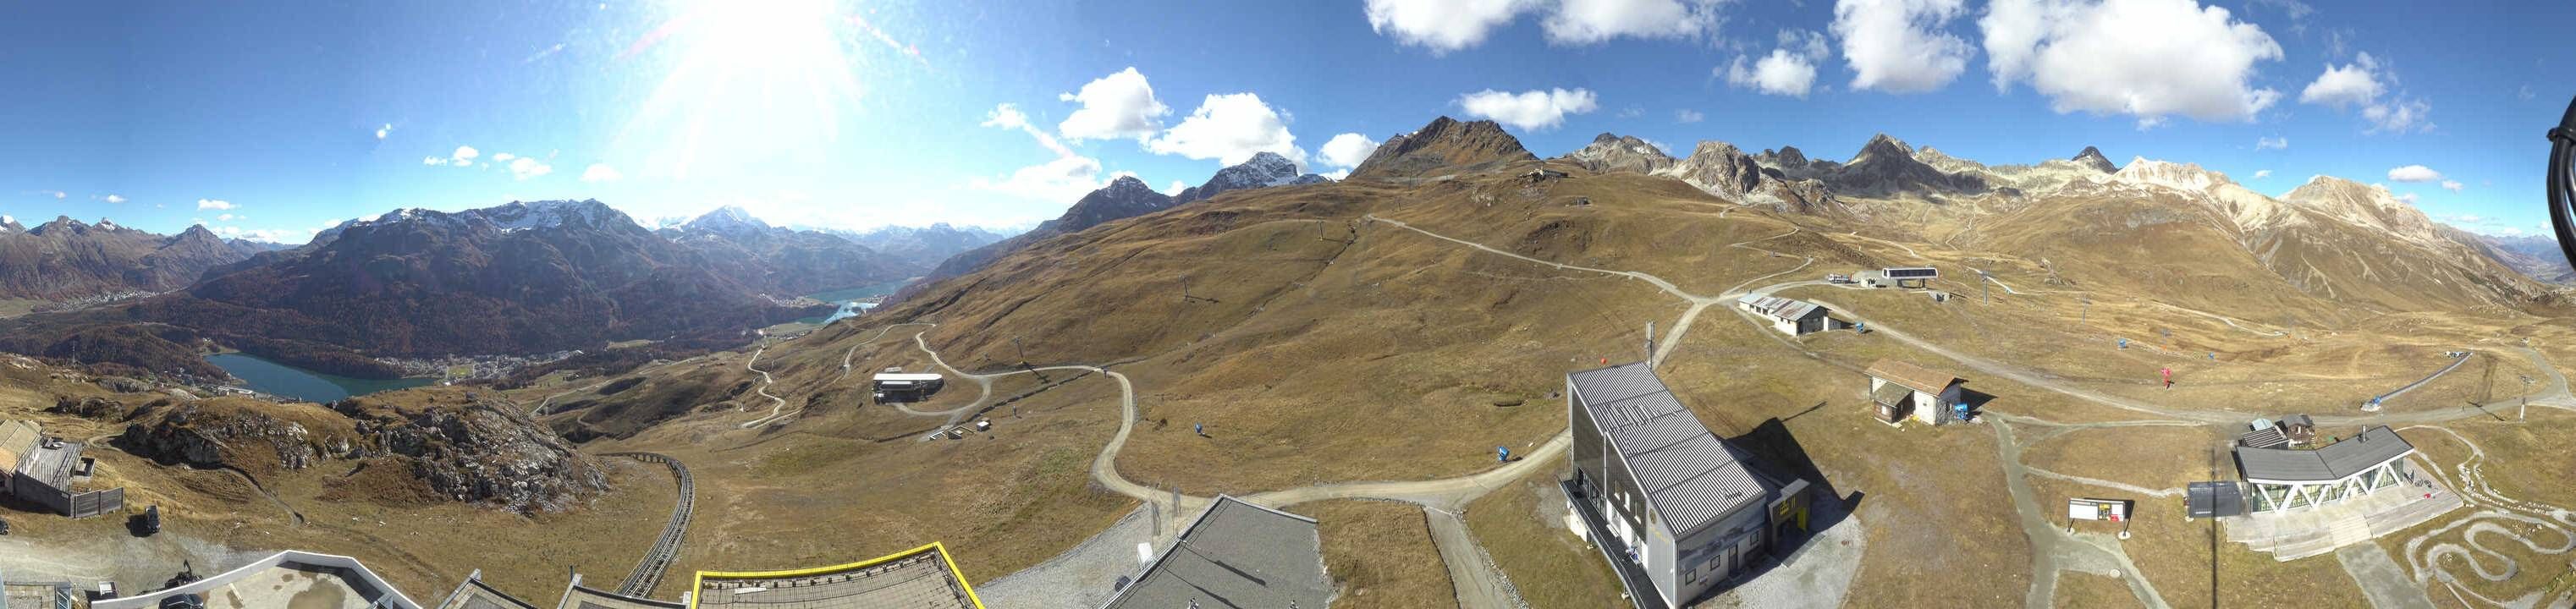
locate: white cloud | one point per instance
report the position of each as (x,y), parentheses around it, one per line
(1897,46)
(601,172)
(2339,87)
(1347,150)
(1631,112)
(503,157)
(383,131)
(1061,181)
(1120,105)
(2367,84)
(2262,173)
(1779,73)
(2146,58)
(1581,22)
(2271,143)
(7,219)
(1442,26)
(2453,185)
(525,167)
(2414,173)
(58,194)
(1529,110)
(2399,116)
(1789,70)
(1175,189)
(214,204)
(464,156)
(1687,116)
(1337,175)
(1230,128)
(1449,25)
(226,218)
(112,198)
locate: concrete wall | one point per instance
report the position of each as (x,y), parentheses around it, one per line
(392,599)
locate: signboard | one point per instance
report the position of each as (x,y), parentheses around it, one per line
(1918,272)
(2114,510)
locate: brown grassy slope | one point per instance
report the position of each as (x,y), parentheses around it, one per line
(1380,554)
(848,481)
(346,509)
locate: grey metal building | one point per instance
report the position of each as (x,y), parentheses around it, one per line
(1236,554)
(1675,509)
(2285,479)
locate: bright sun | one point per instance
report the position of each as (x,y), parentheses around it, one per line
(749,86)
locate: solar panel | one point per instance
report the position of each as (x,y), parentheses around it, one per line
(1920,272)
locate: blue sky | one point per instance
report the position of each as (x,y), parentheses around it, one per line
(275,119)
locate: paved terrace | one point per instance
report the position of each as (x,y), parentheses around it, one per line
(921,578)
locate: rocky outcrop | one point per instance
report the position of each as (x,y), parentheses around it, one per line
(482,452)
(1609,153)
(1445,146)
(1263,170)
(244,435)
(1721,169)
(454,445)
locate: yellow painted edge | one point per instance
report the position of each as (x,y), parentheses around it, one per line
(960,575)
(700,583)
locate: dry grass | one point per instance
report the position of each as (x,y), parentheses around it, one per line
(1522,526)
(2150,457)
(2076,590)
(1380,554)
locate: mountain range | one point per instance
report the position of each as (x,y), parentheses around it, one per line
(66,259)
(783,261)
(517,278)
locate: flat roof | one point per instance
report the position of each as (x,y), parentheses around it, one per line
(579,596)
(1917,377)
(907,376)
(1237,554)
(300,580)
(1688,474)
(1784,308)
(52,466)
(474,594)
(919,578)
(2331,462)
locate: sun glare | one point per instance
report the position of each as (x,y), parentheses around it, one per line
(744,86)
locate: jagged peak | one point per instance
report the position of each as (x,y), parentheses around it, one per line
(1127,182)
(1446,142)
(60,223)
(1884,143)
(2092,157)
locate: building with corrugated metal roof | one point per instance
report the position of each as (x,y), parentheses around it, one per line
(1675,509)
(2286,479)
(1788,315)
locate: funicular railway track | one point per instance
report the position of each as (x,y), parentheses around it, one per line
(648,572)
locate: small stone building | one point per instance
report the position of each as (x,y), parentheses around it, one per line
(1901,390)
